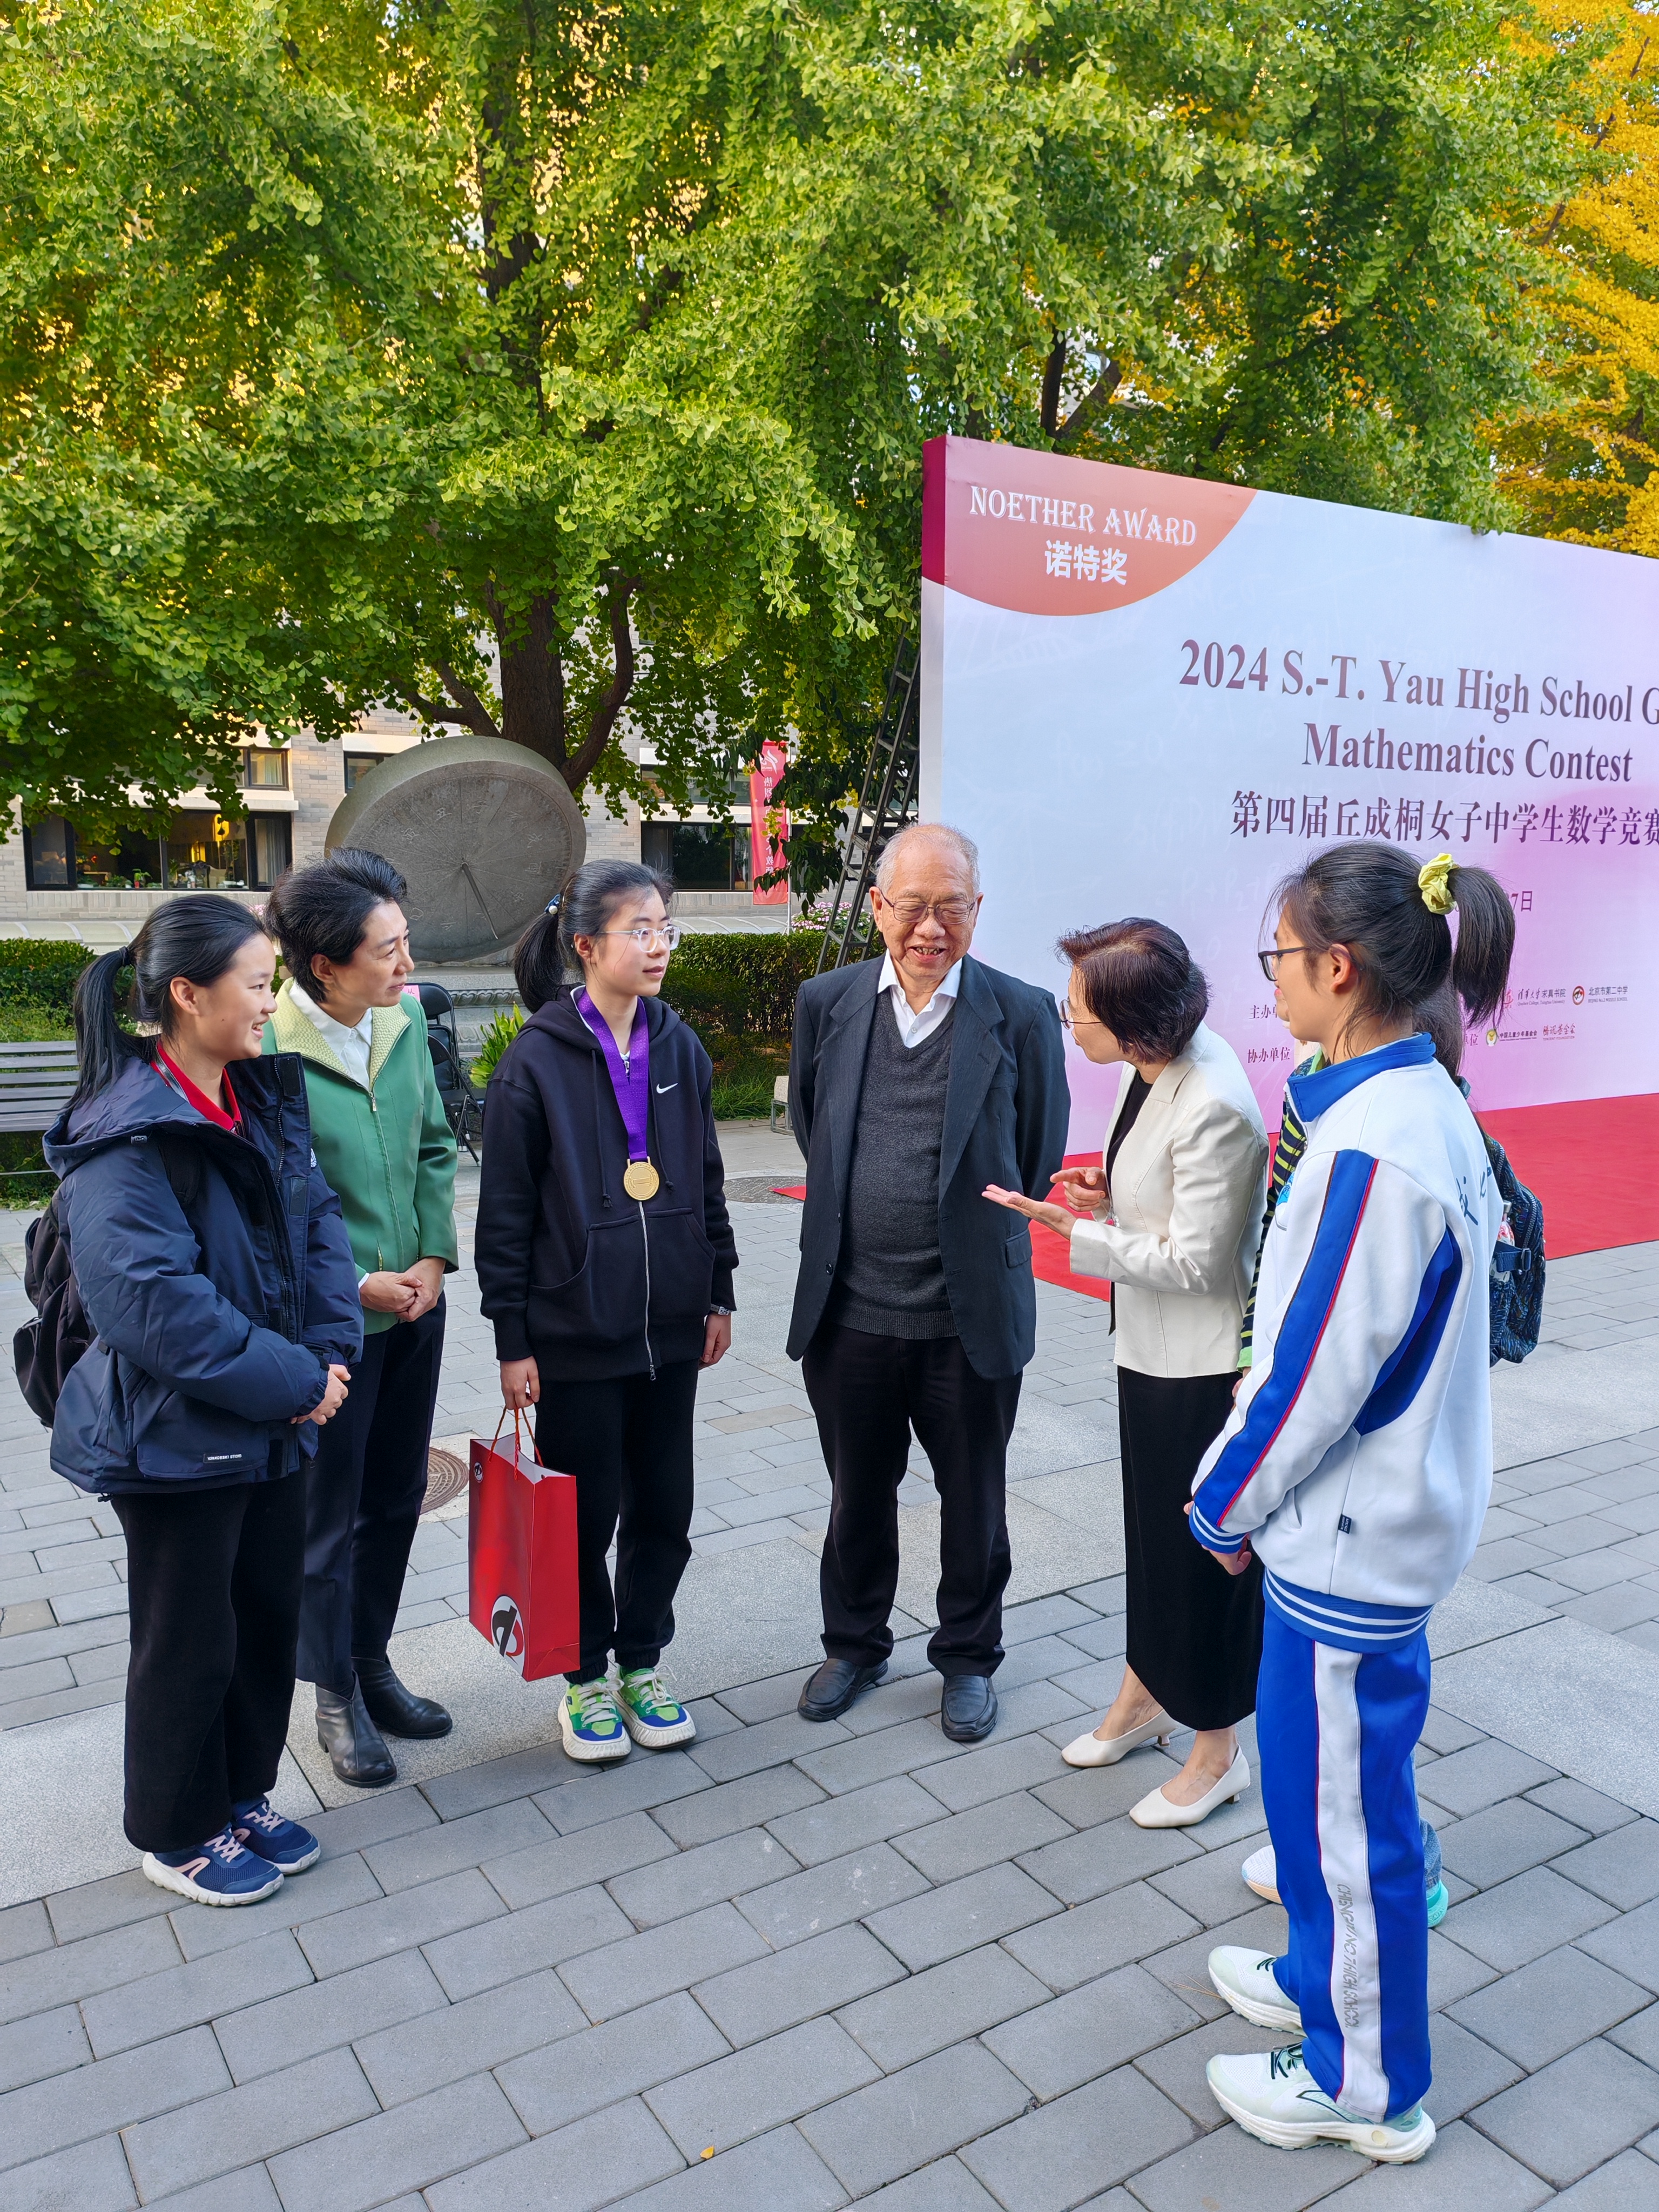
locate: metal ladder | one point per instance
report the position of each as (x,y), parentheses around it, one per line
(886,803)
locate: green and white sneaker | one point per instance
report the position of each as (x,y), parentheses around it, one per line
(1274,2097)
(651,1717)
(590,1724)
(1247,1980)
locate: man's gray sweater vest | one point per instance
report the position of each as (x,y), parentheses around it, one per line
(890,1278)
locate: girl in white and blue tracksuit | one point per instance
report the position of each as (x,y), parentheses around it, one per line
(1357,1461)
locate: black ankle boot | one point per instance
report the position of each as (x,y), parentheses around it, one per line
(355,1748)
(396,1710)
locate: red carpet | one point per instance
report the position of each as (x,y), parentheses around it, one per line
(1595,1163)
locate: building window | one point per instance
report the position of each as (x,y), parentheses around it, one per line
(264,768)
(131,861)
(49,854)
(212,852)
(357,766)
(698,856)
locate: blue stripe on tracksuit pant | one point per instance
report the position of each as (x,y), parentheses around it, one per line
(1336,1730)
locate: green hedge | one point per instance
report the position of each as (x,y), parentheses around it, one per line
(41,969)
(741,984)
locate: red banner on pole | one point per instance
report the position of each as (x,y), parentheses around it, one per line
(768,825)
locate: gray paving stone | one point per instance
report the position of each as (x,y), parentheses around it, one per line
(1629,2182)
(757,1798)
(834,1826)
(1623,1867)
(780,1990)
(827,1896)
(1071,2039)
(93,2176)
(1585,1807)
(1105,1596)
(568,1863)
(163,2003)
(49,2042)
(425,1856)
(25,1928)
(474,2036)
(1454,1972)
(1466,2070)
(371,1820)
(1106,1858)
(1504,1840)
(1630,1945)
(946,2185)
(599,2161)
(914,2117)
(397,1923)
(583,2072)
(1212,1886)
(1177,2067)
(1086,1796)
(496,1781)
(995,1770)
(904,1698)
(928,2011)
(765,2175)
(1523,1918)
(768,1743)
(95,2100)
(73,1971)
(1576,2114)
(1090,1941)
(1549,2006)
(601,1794)
(94,1906)
(701,1876)
(243,2126)
(408,2149)
(863,1760)
(967,1841)
(1468,1781)
(765,1699)
(1184,1966)
(1044,1616)
(760,2087)
(979,1909)
(282,2031)
(1227,2166)
(1078,2145)
(632,1973)
(544,1934)
(1462,2170)
(331,1886)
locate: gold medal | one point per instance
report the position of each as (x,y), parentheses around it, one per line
(641,1180)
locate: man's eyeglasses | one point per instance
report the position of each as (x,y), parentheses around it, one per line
(951,913)
(1271,958)
(646,936)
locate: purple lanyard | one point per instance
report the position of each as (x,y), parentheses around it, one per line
(631,1081)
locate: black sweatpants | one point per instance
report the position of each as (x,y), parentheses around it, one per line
(628,1442)
(868,1394)
(363,1500)
(213,1595)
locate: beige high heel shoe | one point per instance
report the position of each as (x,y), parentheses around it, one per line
(1092,1751)
(1157,1812)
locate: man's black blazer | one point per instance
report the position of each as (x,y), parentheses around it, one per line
(1007,1107)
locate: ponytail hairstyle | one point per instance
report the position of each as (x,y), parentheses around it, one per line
(1442,1019)
(546,961)
(1371,898)
(197,937)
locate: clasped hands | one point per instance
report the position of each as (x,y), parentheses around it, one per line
(408,1293)
(1084,1190)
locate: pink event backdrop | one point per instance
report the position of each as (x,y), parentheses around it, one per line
(1146,695)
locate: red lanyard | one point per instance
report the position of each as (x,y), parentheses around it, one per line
(207,1108)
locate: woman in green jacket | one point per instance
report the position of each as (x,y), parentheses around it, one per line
(383,1143)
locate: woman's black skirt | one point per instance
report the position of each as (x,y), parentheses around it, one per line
(1193,1633)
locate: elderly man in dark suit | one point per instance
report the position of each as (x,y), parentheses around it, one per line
(913,1083)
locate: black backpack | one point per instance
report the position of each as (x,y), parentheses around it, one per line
(44,1350)
(1516,1281)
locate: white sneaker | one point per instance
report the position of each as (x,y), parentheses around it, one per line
(1260,1873)
(1274,2097)
(589,1725)
(1247,1980)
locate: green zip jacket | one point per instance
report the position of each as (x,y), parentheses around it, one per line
(386,1149)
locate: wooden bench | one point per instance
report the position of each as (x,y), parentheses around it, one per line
(36,1084)
(780,1104)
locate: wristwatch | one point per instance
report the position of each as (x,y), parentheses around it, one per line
(725,1311)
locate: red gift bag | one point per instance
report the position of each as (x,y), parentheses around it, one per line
(521,1557)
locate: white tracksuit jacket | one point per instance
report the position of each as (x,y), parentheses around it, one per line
(1358,1456)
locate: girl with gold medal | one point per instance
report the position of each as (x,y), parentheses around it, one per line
(605,1255)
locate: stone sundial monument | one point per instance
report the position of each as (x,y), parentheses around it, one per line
(485,831)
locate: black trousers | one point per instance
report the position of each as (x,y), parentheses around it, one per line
(1194,1631)
(363,1500)
(213,1595)
(868,1394)
(628,1442)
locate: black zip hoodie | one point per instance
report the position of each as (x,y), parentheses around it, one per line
(591,1283)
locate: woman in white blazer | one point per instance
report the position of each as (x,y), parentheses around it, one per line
(1172,1216)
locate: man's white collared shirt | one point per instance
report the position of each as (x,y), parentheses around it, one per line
(351,1046)
(914,1028)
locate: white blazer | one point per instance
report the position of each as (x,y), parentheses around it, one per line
(1188,1196)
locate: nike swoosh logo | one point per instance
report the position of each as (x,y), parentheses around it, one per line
(661,1087)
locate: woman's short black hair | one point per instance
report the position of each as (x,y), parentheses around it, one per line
(544,961)
(322,911)
(1140,981)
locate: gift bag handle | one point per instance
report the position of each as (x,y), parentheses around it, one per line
(517,1436)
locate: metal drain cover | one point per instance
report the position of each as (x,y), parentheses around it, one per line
(445,1479)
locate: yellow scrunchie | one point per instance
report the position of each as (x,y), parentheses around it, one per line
(1431,882)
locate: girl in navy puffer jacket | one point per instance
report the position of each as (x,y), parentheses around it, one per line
(213,1262)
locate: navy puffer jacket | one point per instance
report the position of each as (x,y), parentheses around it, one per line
(216,1271)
